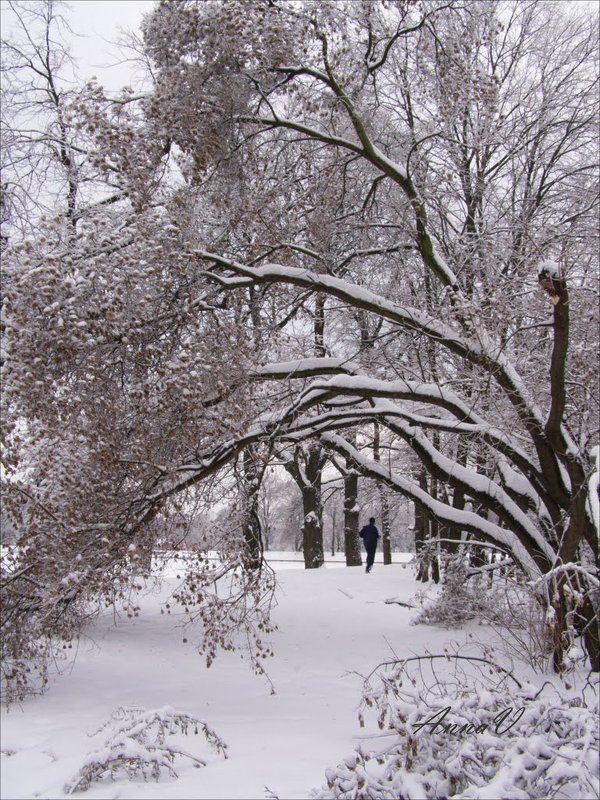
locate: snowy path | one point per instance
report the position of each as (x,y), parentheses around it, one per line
(332,622)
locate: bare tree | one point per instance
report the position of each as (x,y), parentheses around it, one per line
(40,156)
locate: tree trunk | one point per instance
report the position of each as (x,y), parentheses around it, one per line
(312,531)
(421,534)
(385,526)
(333,517)
(454,532)
(589,628)
(435,569)
(306,470)
(383,501)
(251,523)
(351,539)
(146,547)
(579,528)
(434,530)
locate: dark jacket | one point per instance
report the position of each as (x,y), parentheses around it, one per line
(369,534)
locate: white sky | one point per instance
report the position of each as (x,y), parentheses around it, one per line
(99,25)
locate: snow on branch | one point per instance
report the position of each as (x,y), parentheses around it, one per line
(354,295)
(526,486)
(476,485)
(478,349)
(291,422)
(306,130)
(468,520)
(304,368)
(459,729)
(366,388)
(138,746)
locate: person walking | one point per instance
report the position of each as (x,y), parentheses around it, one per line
(370,535)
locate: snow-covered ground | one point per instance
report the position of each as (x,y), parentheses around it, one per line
(333,626)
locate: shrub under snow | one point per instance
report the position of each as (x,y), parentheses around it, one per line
(507,603)
(470,735)
(137,746)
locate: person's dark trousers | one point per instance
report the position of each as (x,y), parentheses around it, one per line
(370,557)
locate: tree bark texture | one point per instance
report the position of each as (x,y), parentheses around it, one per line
(306,470)
(351,538)
(383,501)
(385,526)
(251,528)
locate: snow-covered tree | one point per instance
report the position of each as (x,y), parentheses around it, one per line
(44,152)
(420,175)
(472,129)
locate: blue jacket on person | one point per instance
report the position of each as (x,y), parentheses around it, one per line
(369,534)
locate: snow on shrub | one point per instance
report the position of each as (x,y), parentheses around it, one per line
(456,603)
(507,603)
(474,733)
(137,746)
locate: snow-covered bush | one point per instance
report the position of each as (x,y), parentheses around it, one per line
(137,746)
(474,733)
(456,603)
(506,603)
